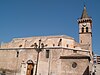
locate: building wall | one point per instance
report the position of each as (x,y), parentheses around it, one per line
(15,55)
(68,68)
(97,69)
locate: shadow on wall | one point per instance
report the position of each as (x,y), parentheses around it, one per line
(86,71)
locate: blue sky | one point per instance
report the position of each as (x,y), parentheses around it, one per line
(26,18)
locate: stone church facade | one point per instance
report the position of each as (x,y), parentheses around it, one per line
(50,55)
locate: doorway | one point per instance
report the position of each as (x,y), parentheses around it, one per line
(30,67)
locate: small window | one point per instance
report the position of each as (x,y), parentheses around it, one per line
(87,29)
(20,45)
(53,44)
(74,51)
(82,29)
(74,64)
(67,45)
(17,54)
(47,53)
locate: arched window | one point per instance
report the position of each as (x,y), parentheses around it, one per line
(82,29)
(87,29)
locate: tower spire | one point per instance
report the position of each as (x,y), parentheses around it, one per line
(84,17)
(84,13)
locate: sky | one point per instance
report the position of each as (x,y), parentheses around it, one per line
(27,18)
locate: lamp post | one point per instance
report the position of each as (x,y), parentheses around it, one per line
(38,48)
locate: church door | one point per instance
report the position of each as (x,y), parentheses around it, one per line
(30,67)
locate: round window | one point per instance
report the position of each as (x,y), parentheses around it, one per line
(74,65)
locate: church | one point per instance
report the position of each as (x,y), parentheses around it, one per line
(50,55)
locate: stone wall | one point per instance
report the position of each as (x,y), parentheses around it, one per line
(15,55)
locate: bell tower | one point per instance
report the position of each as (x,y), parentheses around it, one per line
(85,30)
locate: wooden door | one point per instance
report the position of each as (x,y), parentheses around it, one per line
(30,69)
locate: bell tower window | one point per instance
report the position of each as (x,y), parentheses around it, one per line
(82,29)
(87,29)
